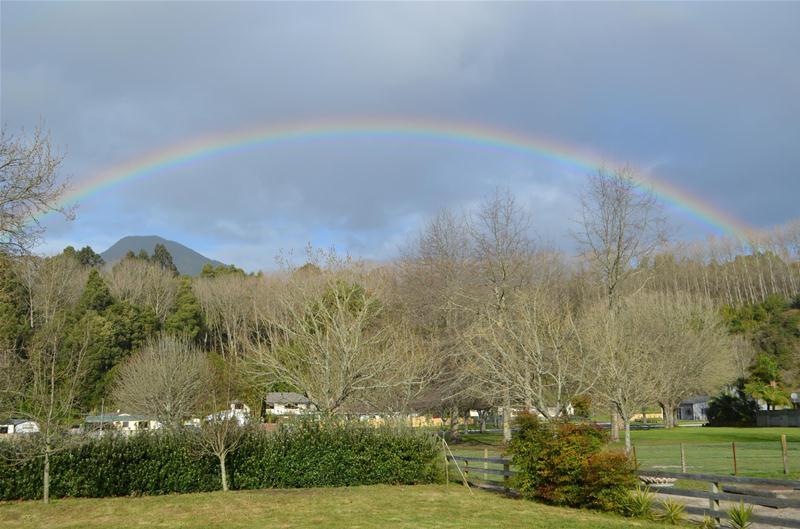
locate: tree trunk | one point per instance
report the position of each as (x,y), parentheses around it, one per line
(483,423)
(627,435)
(507,418)
(454,420)
(668,411)
(223,473)
(46,476)
(614,425)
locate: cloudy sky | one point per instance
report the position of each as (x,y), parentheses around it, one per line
(705,96)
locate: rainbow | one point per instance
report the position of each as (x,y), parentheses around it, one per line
(479,136)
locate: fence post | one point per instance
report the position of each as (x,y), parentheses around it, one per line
(466,471)
(446,463)
(713,503)
(506,477)
(683,460)
(485,463)
(785,454)
(735,468)
(635,461)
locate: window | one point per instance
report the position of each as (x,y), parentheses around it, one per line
(3,429)
(125,424)
(143,425)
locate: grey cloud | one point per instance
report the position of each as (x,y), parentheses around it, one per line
(705,92)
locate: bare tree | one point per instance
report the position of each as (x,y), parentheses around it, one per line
(50,377)
(689,347)
(436,274)
(328,336)
(144,284)
(29,186)
(221,429)
(534,352)
(620,226)
(167,380)
(619,345)
(230,306)
(51,285)
(503,250)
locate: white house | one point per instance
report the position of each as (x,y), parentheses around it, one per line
(124,422)
(694,409)
(237,410)
(286,403)
(18,426)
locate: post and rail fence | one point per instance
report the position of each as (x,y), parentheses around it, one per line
(495,473)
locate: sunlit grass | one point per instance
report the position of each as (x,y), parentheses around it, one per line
(378,507)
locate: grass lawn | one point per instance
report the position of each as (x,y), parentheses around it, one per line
(379,507)
(709,450)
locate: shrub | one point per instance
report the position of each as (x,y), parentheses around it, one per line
(639,503)
(302,454)
(564,464)
(672,512)
(707,522)
(740,516)
(732,410)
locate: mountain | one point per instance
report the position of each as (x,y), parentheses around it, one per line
(187,260)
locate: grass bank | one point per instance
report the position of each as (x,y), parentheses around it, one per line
(372,507)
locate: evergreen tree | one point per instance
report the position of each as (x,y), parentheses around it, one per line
(143,255)
(88,257)
(209,271)
(162,257)
(96,295)
(187,315)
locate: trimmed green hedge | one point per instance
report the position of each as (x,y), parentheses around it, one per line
(305,454)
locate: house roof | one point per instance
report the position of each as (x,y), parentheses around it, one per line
(696,400)
(286,398)
(16,422)
(112,417)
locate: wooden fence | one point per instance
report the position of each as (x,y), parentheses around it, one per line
(751,458)
(485,472)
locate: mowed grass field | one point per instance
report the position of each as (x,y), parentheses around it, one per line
(710,450)
(707,450)
(373,507)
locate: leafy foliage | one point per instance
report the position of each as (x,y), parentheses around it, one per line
(672,512)
(773,327)
(732,409)
(187,314)
(740,516)
(86,256)
(307,454)
(210,271)
(639,503)
(564,464)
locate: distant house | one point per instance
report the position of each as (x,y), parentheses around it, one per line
(694,409)
(18,426)
(285,403)
(124,422)
(237,410)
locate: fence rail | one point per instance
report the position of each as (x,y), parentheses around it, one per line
(717,490)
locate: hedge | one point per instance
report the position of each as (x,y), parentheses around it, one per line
(306,454)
